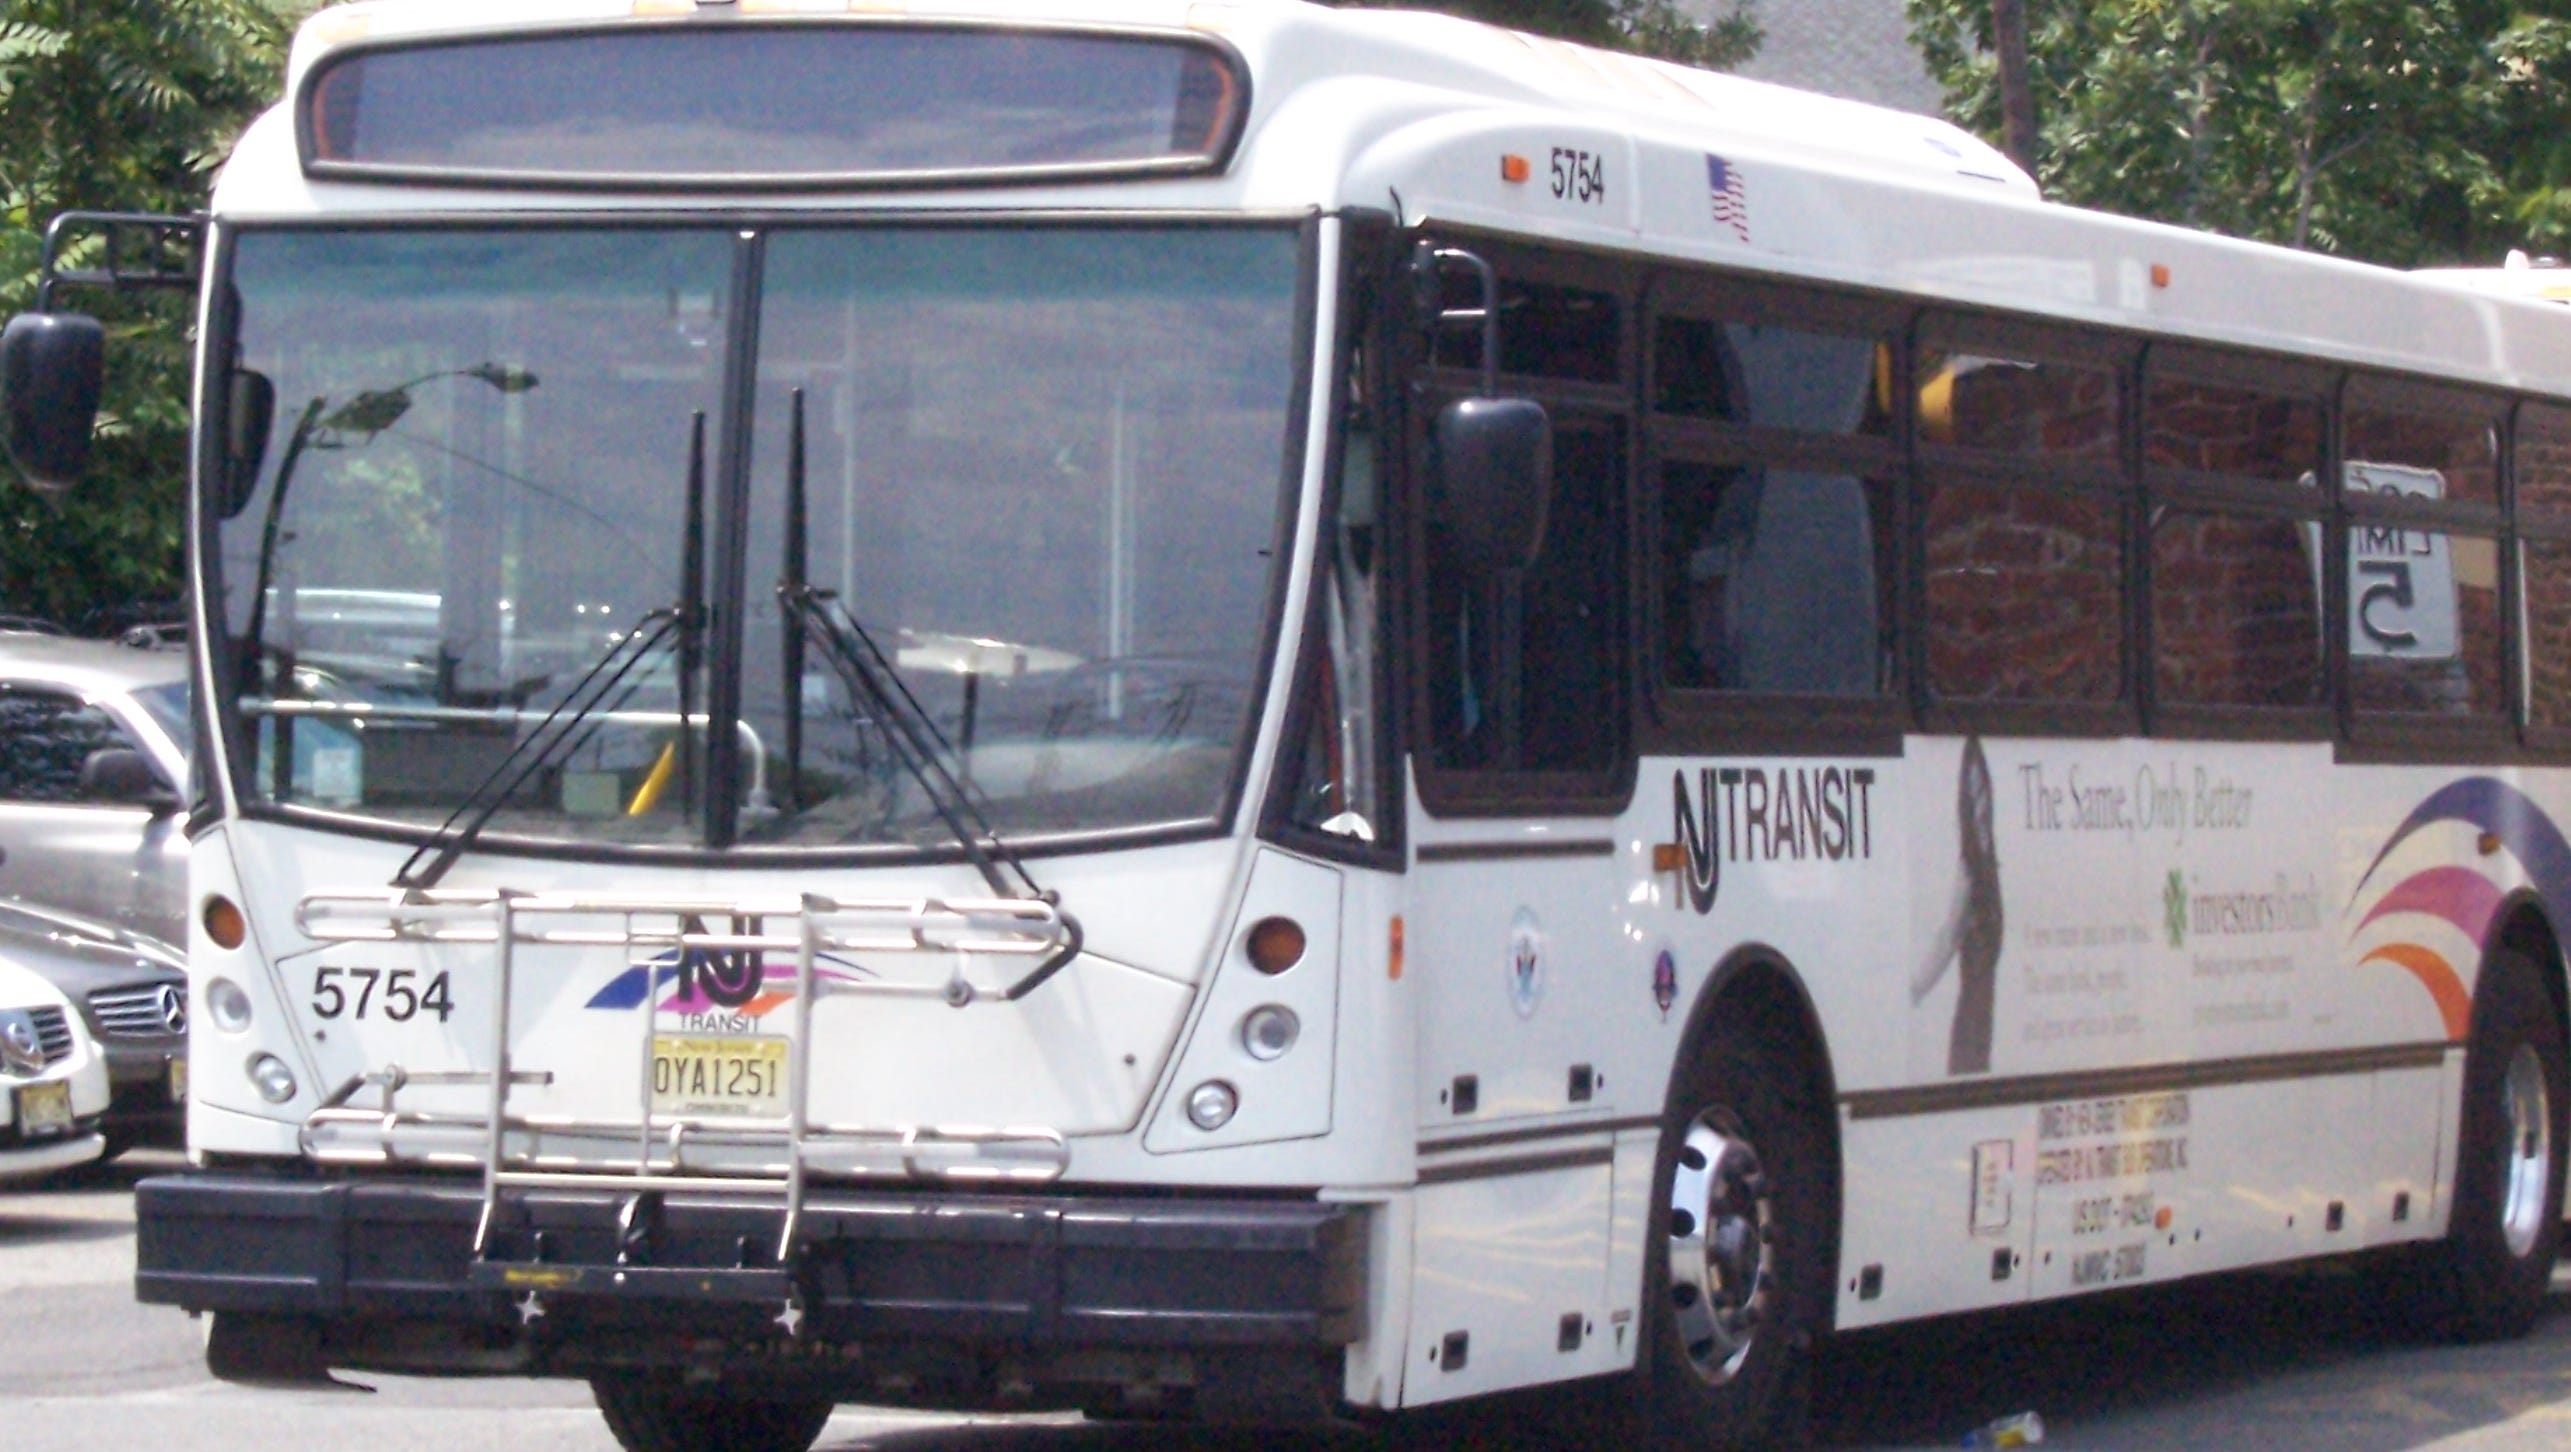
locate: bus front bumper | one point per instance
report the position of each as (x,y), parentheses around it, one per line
(1050,1272)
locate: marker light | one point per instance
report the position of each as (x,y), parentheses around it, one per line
(223,923)
(227,1005)
(1211,1105)
(1269,1031)
(1275,944)
(275,1081)
(1514,169)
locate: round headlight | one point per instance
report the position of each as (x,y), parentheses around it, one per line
(276,1082)
(1212,1104)
(228,1005)
(1269,1031)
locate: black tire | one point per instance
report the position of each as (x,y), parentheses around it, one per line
(648,1416)
(1729,1317)
(2488,1278)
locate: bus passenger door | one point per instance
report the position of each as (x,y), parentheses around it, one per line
(1522,766)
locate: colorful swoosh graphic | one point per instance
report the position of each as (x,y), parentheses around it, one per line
(631,987)
(2461,896)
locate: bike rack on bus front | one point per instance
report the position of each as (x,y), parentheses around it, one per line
(961,929)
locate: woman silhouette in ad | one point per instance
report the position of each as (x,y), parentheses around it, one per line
(1970,936)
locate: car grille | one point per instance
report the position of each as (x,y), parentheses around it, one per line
(54,1032)
(130,1013)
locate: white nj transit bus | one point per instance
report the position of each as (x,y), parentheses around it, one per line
(1227,710)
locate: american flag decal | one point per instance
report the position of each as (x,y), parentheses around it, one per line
(1731,204)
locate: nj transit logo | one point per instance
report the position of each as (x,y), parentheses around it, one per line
(692,982)
(1765,814)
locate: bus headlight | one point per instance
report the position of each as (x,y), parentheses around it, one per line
(1269,1031)
(276,1082)
(227,1005)
(1211,1105)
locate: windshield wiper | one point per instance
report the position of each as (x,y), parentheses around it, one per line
(923,751)
(561,726)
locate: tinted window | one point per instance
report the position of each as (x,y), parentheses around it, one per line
(1769,377)
(1546,330)
(2423,620)
(2543,460)
(2024,593)
(2236,610)
(1529,673)
(2017,405)
(2422,453)
(1774,580)
(2222,428)
(2548,632)
(44,739)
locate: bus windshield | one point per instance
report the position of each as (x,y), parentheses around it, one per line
(1039,468)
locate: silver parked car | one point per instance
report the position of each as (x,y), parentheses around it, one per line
(93,749)
(131,994)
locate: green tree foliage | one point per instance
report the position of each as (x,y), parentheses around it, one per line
(1664,29)
(117,105)
(2397,131)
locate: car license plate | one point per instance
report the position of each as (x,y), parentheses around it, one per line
(178,1081)
(692,1075)
(44,1109)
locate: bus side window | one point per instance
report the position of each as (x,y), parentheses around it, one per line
(1337,786)
(2541,475)
(1527,673)
(2232,454)
(2023,524)
(2421,481)
(1775,578)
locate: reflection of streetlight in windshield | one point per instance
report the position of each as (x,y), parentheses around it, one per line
(321,427)
(372,412)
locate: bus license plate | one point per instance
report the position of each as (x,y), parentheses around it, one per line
(718,1076)
(44,1110)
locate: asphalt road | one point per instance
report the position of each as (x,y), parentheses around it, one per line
(2278,1364)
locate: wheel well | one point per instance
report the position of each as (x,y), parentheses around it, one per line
(2523,928)
(1755,987)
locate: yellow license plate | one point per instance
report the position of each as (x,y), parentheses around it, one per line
(178,1081)
(44,1109)
(693,1075)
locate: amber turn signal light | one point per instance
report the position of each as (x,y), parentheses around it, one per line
(1275,944)
(223,923)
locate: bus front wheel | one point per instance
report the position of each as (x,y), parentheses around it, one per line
(649,1416)
(2488,1279)
(1736,1273)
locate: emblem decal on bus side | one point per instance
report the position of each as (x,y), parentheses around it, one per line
(1526,963)
(1759,814)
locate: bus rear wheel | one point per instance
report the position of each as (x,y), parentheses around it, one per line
(647,1416)
(1735,1277)
(2488,1279)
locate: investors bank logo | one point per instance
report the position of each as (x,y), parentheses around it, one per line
(2173,908)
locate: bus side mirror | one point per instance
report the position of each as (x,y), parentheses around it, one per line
(249,413)
(1494,481)
(51,365)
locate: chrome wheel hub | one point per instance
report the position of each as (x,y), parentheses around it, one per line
(1721,1265)
(2527,1170)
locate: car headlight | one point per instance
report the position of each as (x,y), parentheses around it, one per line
(22,1051)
